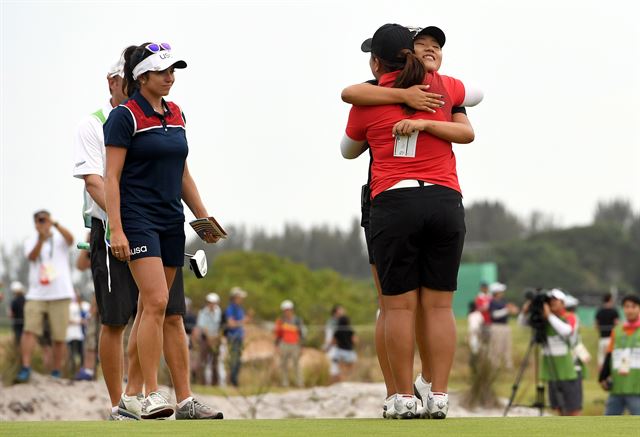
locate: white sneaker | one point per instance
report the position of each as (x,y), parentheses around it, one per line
(438,405)
(156,406)
(422,390)
(406,406)
(388,408)
(131,406)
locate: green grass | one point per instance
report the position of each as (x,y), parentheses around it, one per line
(494,427)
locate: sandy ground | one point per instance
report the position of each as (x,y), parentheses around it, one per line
(47,399)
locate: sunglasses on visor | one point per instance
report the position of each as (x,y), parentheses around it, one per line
(155,47)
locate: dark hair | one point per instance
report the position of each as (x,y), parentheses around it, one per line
(133,55)
(41,211)
(631,298)
(606,298)
(412,71)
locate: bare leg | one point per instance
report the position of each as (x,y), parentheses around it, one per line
(381,348)
(421,339)
(27,343)
(135,380)
(399,331)
(60,350)
(176,353)
(149,275)
(441,341)
(111,360)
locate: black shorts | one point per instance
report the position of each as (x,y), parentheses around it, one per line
(571,393)
(365,208)
(118,301)
(417,236)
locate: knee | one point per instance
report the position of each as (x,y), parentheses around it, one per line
(155,305)
(174,322)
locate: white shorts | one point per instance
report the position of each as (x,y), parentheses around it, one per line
(344,356)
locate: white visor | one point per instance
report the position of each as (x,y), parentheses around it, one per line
(158,62)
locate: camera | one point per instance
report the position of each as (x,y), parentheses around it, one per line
(538,298)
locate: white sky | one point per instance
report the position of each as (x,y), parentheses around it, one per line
(558,130)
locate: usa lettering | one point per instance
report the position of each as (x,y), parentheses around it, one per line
(137,250)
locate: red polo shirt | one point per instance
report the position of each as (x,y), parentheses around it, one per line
(434,161)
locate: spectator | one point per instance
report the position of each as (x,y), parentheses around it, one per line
(235,323)
(483,299)
(90,344)
(499,329)
(329,344)
(208,325)
(606,319)
(17,310)
(558,369)
(474,330)
(75,335)
(345,355)
(50,290)
(621,369)
(289,332)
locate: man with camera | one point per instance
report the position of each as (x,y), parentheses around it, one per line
(50,291)
(555,327)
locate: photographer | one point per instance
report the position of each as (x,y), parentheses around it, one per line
(556,326)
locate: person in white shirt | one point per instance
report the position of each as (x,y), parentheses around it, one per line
(50,290)
(208,325)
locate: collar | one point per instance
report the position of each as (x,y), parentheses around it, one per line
(632,325)
(146,106)
(388,79)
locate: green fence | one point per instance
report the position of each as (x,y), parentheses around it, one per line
(469,277)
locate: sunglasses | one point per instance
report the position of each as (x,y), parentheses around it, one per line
(155,47)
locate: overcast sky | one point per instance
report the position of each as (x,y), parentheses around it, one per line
(558,129)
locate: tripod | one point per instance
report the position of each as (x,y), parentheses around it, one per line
(537,339)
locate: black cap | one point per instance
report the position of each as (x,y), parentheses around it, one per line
(388,41)
(433,31)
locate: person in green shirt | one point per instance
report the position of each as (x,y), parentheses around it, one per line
(620,373)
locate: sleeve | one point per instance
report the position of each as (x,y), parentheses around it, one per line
(356,128)
(87,148)
(456,90)
(459,110)
(563,329)
(119,128)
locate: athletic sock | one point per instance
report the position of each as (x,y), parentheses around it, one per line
(439,393)
(114,410)
(424,381)
(88,371)
(183,403)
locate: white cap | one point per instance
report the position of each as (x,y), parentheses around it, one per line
(213,298)
(117,69)
(237,291)
(497,287)
(16,286)
(286,305)
(159,61)
(555,293)
(570,301)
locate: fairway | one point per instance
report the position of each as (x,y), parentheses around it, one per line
(511,426)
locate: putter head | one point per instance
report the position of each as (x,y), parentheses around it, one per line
(198,263)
